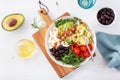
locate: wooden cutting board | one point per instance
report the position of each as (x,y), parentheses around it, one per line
(40,39)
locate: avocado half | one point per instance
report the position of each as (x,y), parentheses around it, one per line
(12,21)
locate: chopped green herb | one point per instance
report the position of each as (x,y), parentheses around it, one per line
(63,21)
(76,19)
(71,59)
(70,42)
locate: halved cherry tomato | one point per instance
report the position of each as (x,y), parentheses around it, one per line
(86,54)
(76,51)
(71,47)
(75,45)
(83,47)
(81,54)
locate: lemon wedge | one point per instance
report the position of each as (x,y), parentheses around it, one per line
(25,48)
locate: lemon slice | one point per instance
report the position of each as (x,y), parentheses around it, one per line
(25,48)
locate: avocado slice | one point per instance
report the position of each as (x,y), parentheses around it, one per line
(65,26)
(12,21)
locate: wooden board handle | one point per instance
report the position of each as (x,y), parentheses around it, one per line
(42,12)
(64,15)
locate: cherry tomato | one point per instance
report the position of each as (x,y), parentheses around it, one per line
(81,54)
(75,45)
(71,47)
(83,47)
(86,54)
(76,51)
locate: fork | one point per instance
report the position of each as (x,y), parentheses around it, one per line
(86,42)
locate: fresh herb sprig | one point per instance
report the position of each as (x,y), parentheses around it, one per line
(35,24)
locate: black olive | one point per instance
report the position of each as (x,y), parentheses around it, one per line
(59,51)
(51,50)
(66,52)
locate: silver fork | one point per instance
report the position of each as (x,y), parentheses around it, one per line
(86,42)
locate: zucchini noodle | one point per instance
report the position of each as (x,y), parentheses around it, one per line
(82,31)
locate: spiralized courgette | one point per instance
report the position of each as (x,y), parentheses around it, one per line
(81,33)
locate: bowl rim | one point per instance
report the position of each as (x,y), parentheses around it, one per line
(59,62)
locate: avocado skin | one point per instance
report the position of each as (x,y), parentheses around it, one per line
(10,15)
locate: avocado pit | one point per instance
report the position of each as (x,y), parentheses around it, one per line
(12,22)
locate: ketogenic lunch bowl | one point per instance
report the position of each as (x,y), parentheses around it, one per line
(66,41)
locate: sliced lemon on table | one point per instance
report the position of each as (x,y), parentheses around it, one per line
(25,48)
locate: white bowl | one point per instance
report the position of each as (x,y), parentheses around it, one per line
(59,62)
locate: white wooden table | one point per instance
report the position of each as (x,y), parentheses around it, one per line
(37,68)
